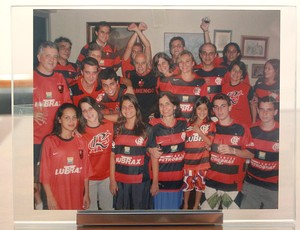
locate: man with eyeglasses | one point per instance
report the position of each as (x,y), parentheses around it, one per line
(231,148)
(212,74)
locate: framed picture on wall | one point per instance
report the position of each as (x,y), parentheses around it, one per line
(257,70)
(254,47)
(222,38)
(119,34)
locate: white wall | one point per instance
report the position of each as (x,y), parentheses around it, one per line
(266,23)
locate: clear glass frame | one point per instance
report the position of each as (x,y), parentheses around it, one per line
(23,131)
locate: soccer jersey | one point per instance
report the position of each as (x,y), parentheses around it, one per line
(65,166)
(69,71)
(213,78)
(99,142)
(109,56)
(49,92)
(127,66)
(131,158)
(239,95)
(78,92)
(145,92)
(263,168)
(164,84)
(172,142)
(111,105)
(188,92)
(262,90)
(196,150)
(227,171)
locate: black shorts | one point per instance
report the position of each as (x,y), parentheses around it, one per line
(36,162)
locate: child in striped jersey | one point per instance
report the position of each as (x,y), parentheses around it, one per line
(200,133)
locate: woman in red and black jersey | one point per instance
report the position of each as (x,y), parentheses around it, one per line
(167,143)
(129,174)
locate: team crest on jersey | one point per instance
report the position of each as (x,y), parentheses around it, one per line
(100,142)
(127,150)
(70,160)
(197,91)
(139,141)
(275,147)
(234,140)
(205,128)
(218,81)
(234,96)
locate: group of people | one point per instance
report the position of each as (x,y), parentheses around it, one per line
(167,128)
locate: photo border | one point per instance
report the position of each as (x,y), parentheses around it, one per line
(292,78)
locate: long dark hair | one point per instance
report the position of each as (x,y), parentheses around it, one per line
(57,126)
(199,101)
(82,121)
(139,126)
(173,99)
(226,48)
(155,61)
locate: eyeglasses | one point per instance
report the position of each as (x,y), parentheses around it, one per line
(208,54)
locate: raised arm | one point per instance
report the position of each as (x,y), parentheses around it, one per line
(131,42)
(205,28)
(145,41)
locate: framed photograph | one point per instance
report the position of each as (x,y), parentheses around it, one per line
(254,47)
(257,70)
(119,34)
(18,162)
(192,42)
(222,38)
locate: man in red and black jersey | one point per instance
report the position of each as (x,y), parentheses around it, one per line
(110,55)
(68,69)
(87,84)
(112,93)
(260,189)
(211,73)
(144,84)
(230,149)
(50,90)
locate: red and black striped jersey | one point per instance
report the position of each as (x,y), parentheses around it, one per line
(78,92)
(111,105)
(131,158)
(262,90)
(69,71)
(227,171)
(214,79)
(264,167)
(196,150)
(172,143)
(109,56)
(188,92)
